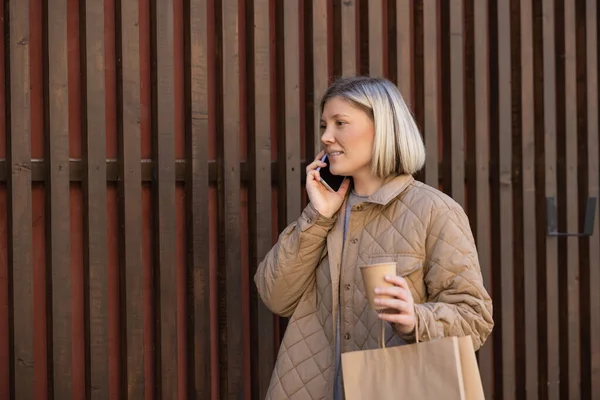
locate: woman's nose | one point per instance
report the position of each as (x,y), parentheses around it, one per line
(327,137)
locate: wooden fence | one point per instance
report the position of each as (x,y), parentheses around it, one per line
(153,149)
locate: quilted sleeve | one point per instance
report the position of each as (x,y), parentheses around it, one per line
(289,267)
(457,302)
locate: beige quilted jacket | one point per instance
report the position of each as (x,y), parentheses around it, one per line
(423,230)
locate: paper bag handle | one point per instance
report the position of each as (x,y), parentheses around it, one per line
(382,329)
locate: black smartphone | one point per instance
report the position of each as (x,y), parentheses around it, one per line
(332,182)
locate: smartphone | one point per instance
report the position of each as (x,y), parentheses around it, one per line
(331,182)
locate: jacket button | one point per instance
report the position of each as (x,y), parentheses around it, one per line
(347,286)
(309,220)
(347,336)
(359,208)
(354,241)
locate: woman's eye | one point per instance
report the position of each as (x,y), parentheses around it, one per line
(322,127)
(340,123)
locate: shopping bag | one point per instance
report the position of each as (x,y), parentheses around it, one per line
(437,369)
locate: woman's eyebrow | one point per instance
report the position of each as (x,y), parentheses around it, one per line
(338,115)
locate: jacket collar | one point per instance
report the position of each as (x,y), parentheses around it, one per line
(391,188)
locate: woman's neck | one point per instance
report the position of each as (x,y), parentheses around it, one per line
(366,184)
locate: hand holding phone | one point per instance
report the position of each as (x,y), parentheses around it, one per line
(321,185)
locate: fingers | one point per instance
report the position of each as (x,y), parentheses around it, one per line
(313,175)
(316,163)
(403,320)
(402,306)
(396,292)
(398,281)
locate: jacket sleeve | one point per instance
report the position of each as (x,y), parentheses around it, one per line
(457,302)
(289,267)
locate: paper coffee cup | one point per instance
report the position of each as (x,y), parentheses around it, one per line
(374,277)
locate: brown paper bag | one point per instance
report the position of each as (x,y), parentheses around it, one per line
(438,369)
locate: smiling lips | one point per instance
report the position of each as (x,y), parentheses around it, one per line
(333,154)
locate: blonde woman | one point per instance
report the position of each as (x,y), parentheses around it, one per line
(380,214)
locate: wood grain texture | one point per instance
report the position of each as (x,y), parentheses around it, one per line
(529,199)
(260,193)
(594,189)
(95,215)
(130,193)
(457,70)
(506,199)
(552,300)
(57,184)
(350,37)
(376,39)
(482,129)
(164,200)
(404,40)
(197,198)
(292,109)
(231,194)
(431,89)
(572,200)
(19,202)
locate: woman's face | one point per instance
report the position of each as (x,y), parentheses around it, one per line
(348,134)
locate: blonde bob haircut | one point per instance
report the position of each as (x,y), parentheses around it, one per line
(398,146)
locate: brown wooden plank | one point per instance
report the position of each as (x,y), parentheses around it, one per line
(552,300)
(482,129)
(130,245)
(594,190)
(95,226)
(292,110)
(57,186)
(350,36)
(164,173)
(321,67)
(5,279)
(457,100)
(529,200)
(19,206)
(431,89)
(260,192)
(376,40)
(197,199)
(572,199)
(506,206)
(404,39)
(231,193)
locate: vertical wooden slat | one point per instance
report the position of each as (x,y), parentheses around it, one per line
(19,207)
(572,200)
(130,199)
(594,190)
(431,89)
(178,240)
(95,226)
(376,43)
(231,187)
(506,206)
(321,66)
(529,199)
(552,300)
(404,38)
(260,191)
(5,283)
(457,100)
(482,129)
(350,37)
(197,198)
(292,109)
(57,184)
(164,173)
